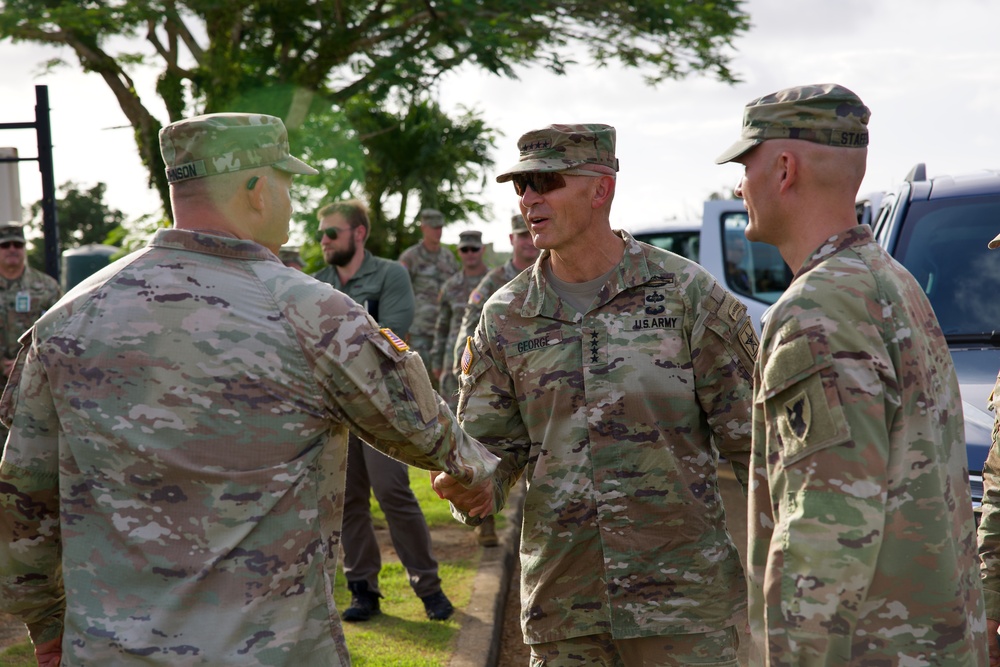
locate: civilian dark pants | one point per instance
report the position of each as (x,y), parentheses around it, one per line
(370,470)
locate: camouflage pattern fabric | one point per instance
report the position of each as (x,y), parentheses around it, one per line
(826,114)
(624,530)
(563,147)
(452,301)
(494,280)
(382,287)
(22,301)
(177,457)
(220,143)
(862,544)
(712,649)
(989,525)
(428,271)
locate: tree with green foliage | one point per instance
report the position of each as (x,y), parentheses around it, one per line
(84,218)
(420,157)
(291,58)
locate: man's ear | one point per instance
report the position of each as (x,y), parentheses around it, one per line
(788,170)
(256,192)
(604,190)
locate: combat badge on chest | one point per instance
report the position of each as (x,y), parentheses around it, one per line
(654,313)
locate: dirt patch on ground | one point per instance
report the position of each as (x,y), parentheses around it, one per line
(12,631)
(448,543)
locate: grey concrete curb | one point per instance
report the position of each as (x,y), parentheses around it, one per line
(479,636)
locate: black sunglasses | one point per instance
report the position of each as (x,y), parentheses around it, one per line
(539,181)
(330,232)
(468,249)
(15,244)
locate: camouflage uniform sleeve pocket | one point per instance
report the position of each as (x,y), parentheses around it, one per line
(474,364)
(800,396)
(729,320)
(8,401)
(411,371)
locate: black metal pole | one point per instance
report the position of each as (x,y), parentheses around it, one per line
(50,225)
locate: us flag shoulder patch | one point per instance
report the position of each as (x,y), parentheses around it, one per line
(467,356)
(394,340)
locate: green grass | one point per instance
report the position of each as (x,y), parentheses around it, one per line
(401,636)
(20,655)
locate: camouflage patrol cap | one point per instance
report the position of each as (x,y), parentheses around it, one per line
(517,224)
(825,113)
(11,233)
(470,239)
(432,217)
(220,143)
(562,147)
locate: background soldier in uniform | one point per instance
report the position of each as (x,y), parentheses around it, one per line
(24,292)
(452,301)
(171,490)
(989,526)
(451,307)
(429,265)
(862,543)
(607,375)
(523,254)
(383,288)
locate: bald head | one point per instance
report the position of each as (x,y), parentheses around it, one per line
(252,204)
(836,171)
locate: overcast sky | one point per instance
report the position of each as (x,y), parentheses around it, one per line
(928,69)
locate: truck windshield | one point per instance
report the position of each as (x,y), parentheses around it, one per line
(944,245)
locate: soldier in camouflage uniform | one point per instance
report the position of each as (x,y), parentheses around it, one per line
(989,526)
(523,254)
(25,294)
(429,265)
(172,487)
(861,532)
(452,301)
(611,375)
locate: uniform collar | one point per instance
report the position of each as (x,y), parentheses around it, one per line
(211,244)
(542,300)
(855,236)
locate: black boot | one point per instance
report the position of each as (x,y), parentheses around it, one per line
(438,606)
(364,603)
